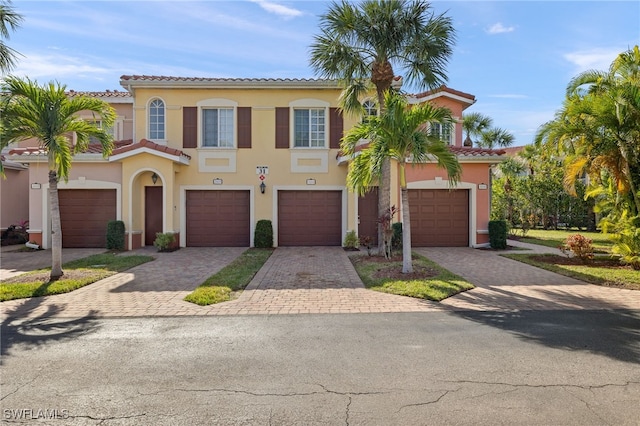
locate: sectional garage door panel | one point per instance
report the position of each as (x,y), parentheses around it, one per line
(439,218)
(218,219)
(84,214)
(309,218)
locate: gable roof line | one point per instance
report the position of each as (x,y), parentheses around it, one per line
(150,147)
(133,81)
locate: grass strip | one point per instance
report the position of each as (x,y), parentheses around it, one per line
(383,276)
(552,238)
(77,273)
(588,272)
(223,285)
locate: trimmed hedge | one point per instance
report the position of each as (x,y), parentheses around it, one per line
(115,235)
(263,235)
(498,234)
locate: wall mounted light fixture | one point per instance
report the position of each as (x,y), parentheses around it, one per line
(154,178)
(263,187)
(311,181)
(217,181)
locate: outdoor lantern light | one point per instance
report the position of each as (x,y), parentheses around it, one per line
(154,178)
(263,187)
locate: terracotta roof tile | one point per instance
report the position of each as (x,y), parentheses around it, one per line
(476,152)
(458,150)
(93,148)
(105,94)
(214,79)
(145,143)
(445,89)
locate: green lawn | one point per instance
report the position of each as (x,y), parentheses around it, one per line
(234,277)
(430,281)
(599,272)
(77,273)
(551,238)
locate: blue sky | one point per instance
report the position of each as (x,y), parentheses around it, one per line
(516,57)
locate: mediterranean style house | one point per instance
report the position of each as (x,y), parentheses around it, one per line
(206,158)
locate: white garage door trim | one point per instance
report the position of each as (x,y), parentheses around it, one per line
(274,200)
(183,206)
(74,184)
(443,184)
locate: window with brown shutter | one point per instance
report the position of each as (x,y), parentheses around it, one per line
(336,128)
(282,127)
(244,127)
(189,127)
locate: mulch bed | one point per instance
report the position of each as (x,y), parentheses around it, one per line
(394,271)
(598,262)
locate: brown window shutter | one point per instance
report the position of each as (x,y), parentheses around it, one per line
(336,128)
(244,127)
(282,127)
(189,127)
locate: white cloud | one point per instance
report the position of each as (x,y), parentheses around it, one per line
(593,59)
(278,9)
(55,67)
(498,28)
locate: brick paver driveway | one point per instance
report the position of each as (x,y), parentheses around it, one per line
(317,280)
(508,285)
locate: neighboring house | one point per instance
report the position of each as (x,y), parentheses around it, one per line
(14,203)
(208,157)
(89,199)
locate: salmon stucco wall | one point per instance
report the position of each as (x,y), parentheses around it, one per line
(13,197)
(475,177)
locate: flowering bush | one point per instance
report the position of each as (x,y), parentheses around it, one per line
(579,245)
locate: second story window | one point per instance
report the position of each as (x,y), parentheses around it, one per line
(442,131)
(370,109)
(217,127)
(156,120)
(310,127)
(99,125)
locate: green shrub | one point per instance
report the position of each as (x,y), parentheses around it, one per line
(115,235)
(263,235)
(165,241)
(396,240)
(498,234)
(351,240)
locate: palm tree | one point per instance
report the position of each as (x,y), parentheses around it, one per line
(361,43)
(474,125)
(48,115)
(399,133)
(9,21)
(495,137)
(598,126)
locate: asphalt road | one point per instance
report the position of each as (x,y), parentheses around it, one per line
(539,368)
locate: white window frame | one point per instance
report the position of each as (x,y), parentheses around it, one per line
(98,123)
(369,105)
(164,120)
(439,132)
(309,104)
(217,104)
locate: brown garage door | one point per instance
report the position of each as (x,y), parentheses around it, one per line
(368,215)
(218,219)
(439,217)
(309,218)
(84,214)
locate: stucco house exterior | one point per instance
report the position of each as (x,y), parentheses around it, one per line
(206,158)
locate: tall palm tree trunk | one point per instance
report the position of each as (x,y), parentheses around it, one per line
(56,228)
(384,204)
(407,264)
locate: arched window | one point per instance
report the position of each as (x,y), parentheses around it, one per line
(156,120)
(370,109)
